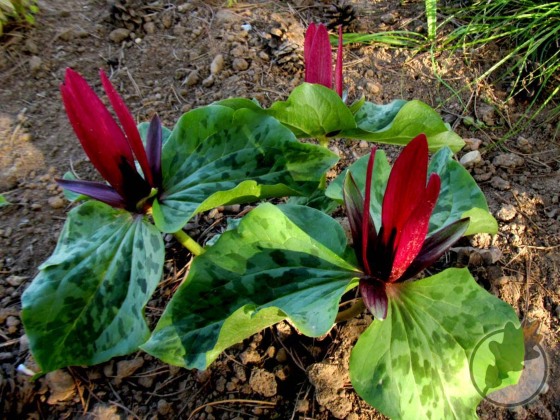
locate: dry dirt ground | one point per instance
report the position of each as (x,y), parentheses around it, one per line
(161,62)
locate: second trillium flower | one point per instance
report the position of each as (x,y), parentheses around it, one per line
(111,148)
(398,249)
(318,57)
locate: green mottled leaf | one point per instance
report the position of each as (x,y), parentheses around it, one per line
(281,262)
(416,362)
(411,119)
(313,110)
(86,305)
(217,155)
(459,196)
(240,103)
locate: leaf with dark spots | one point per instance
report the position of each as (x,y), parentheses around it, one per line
(265,270)
(418,359)
(101,284)
(239,156)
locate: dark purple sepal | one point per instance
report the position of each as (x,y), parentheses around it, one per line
(95,190)
(374,296)
(435,246)
(354,203)
(154,142)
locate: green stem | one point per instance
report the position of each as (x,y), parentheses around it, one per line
(353,311)
(323,141)
(323,182)
(188,242)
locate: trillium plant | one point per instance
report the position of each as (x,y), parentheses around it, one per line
(278,262)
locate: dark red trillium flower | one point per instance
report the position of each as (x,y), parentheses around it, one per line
(110,148)
(318,57)
(399,249)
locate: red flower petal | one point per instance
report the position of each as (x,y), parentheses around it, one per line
(413,233)
(100,136)
(338,67)
(128,125)
(406,185)
(318,56)
(435,246)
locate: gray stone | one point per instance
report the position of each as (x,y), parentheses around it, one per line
(506,213)
(471,159)
(119,35)
(508,161)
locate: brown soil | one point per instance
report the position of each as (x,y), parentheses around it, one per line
(164,66)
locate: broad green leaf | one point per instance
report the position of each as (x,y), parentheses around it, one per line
(281,262)
(217,155)
(3,201)
(412,118)
(87,303)
(415,363)
(459,196)
(240,103)
(313,110)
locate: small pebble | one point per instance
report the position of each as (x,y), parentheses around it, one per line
(473,143)
(56,202)
(192,79)
(471,159)
(506,213)
(389,18)
(524,145)
(508,161)
(500,183)
(240,64)
(209,81)
(364,144)
(217,64)
(35,64)
(119,35)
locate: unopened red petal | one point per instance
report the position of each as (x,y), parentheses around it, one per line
(129,126)
(318,58)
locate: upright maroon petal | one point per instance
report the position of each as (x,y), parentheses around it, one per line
(128,125)
(374,296)
(154,142)
(406,185)
(366,221)
(100,136)
(414,231)
(338,68)
(318,57)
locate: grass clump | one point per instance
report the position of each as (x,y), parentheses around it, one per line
(17,10)
(527,34)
